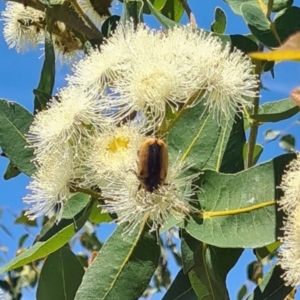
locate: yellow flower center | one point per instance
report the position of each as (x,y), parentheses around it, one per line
(118,143)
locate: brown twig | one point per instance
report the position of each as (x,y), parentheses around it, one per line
(189,13)
(92,193)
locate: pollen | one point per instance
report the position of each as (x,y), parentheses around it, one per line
(118,143)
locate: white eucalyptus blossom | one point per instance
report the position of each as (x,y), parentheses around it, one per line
(23,27)
(134,205)
(290,185)
(67,120)
(96,71)
(146,71)
(111,150)
(51,183)
(223,79)
(289,255)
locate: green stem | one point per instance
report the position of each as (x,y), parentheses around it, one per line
(211,214)
(272,25)
(89,192)
(254,124)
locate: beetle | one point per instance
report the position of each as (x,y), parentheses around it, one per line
(152,164)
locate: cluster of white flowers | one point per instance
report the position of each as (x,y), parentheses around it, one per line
(148,71)
(132,204)
(51,183)
(289,256)
(116,98)
(24,28)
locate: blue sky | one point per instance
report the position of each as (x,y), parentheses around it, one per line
(19,74)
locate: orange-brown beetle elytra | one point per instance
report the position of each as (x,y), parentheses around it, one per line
(153,164)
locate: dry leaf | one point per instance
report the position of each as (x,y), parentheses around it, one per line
(295,95)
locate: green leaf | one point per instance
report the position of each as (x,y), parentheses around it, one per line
(233,160)
(120,262)
(97,216)
(180,288)
(219,25)
(164,21)
(169,223)
(277,4)
(227,156)
(271,287)
(238,210)
(242,292)
(276,111)
(83,259)
(22,219)
(173,10)
(74,205)
(44,90)
(243,43)
(287,143)
(48,224)
(60,277)
(40,249)
(215,255)
(202,285)
(132,9)
(258,24)
(76,214)
(157,4)
(224,38)
(110,25)
(271,135)
(207,267)
(263,252)
(258,149)
(11,171)
(269,65)
(15,121)
(188,249)
(52,240)
(22,240)
(287,22)
(192,137)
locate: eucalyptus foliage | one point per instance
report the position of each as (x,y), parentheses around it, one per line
(236,196)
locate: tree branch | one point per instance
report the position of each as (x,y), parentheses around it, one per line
(64,14)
